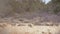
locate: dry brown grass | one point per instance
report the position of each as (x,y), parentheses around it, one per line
(6,28)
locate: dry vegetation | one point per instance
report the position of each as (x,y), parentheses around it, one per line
(29,17)
(8,28)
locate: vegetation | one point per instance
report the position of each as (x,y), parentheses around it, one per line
(22,6)
(33,5)
(26,5)
(55,6)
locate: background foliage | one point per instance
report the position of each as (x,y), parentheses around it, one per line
(26,5)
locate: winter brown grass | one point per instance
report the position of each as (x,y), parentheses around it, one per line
(6,28)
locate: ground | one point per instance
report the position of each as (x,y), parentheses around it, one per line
(6,28)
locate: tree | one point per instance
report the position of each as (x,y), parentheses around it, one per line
(26,5)
(55,6)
